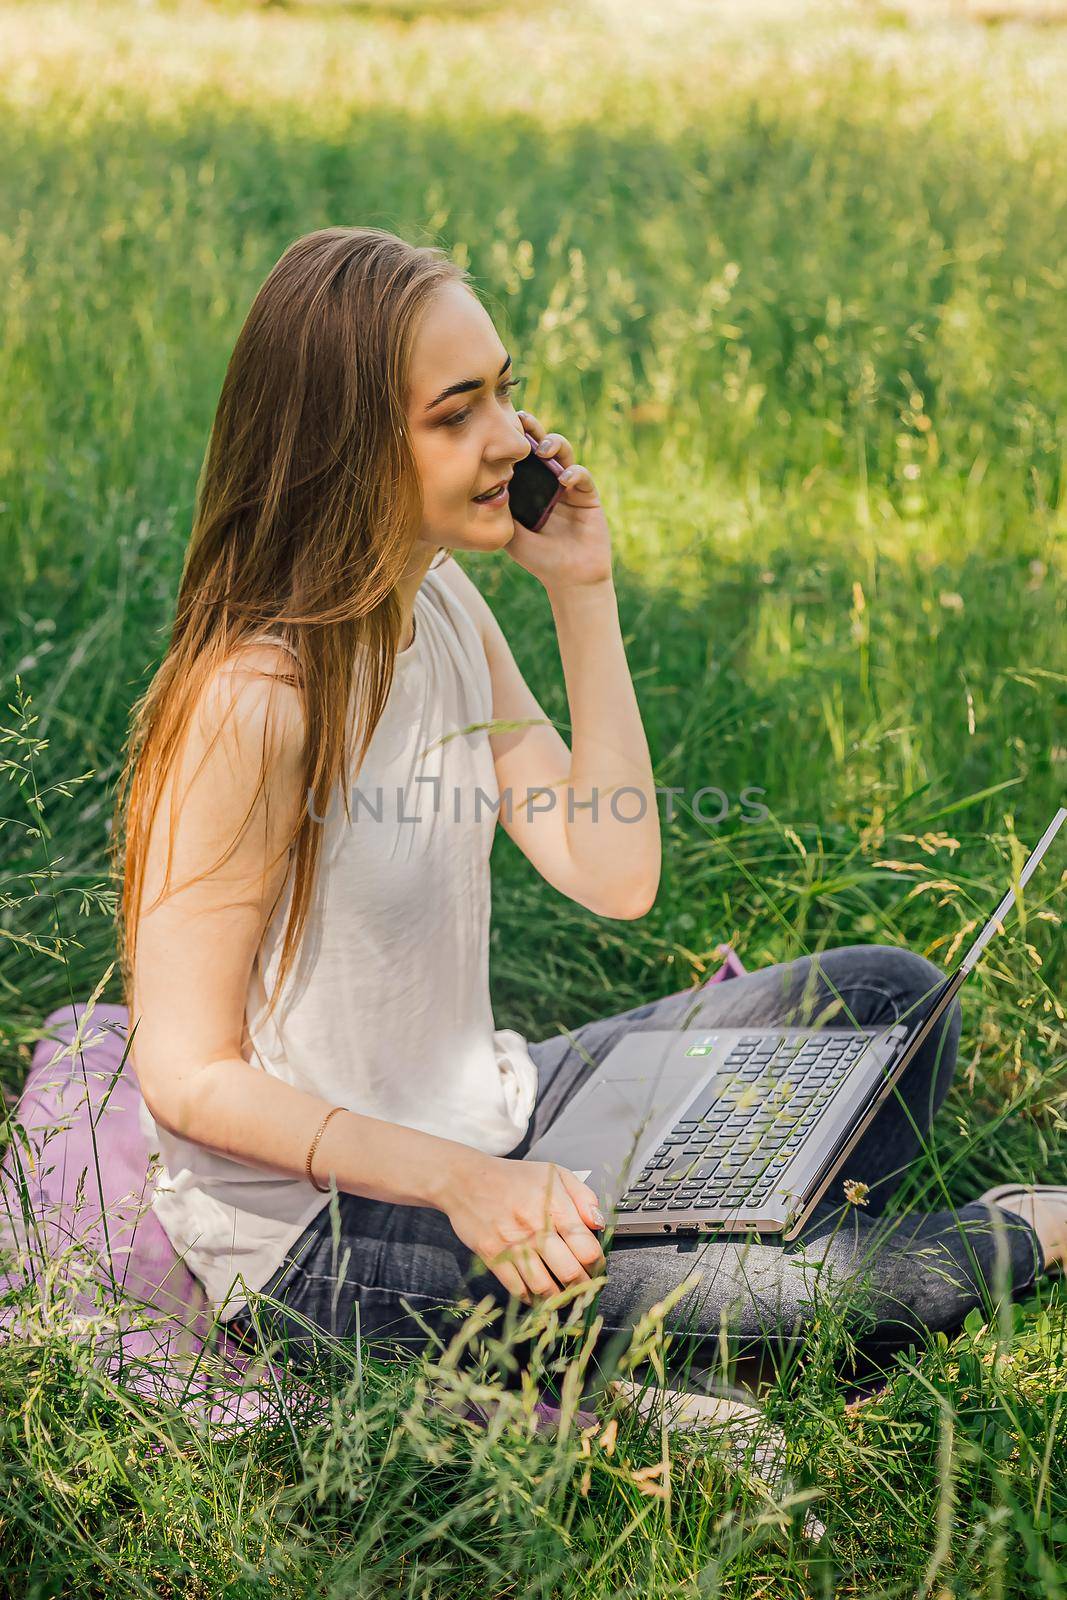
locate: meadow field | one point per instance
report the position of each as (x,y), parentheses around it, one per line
(791,277)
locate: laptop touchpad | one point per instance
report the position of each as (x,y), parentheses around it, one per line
(613,1113)
(613,1117)
(672,1089)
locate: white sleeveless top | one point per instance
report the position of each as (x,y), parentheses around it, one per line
(387,1009)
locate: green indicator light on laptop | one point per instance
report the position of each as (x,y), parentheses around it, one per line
(699,1050)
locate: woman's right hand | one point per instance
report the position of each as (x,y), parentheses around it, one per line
(526,1220)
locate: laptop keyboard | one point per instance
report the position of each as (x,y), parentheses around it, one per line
(731,1144)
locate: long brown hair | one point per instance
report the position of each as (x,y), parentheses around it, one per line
(307,510)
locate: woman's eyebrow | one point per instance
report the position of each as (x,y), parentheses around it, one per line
(468,383)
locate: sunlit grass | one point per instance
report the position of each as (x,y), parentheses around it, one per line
(792,280)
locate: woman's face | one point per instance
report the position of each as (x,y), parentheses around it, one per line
(467,442)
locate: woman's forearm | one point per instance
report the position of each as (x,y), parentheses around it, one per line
(236,1110)
(609,750)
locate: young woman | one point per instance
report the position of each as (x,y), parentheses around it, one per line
(307,971)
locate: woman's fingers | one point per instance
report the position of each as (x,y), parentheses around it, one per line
(562,1261)
(524,1269)
(533,1269)
(557,1250)
(554,444)
(526,1261)
(585,1199)
(548,444)
(512,1281)
(583,1245)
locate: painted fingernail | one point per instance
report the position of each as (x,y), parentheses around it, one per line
(546,444)
(598,1216)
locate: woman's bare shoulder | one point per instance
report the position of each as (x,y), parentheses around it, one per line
(255,691)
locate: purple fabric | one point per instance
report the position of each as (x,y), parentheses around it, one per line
(78,1153)
(77,1118)
(732,966)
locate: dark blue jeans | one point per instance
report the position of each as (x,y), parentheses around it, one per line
(891,1276)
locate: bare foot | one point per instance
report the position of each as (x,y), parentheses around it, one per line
(1044,1207)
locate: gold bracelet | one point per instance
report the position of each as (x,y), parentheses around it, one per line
(314,1147)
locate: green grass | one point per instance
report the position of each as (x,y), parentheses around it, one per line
(792,280)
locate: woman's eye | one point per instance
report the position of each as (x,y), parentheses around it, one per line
(462,416)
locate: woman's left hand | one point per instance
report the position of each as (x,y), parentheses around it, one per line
(574,546)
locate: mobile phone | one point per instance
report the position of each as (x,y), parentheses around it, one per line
(534,487)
